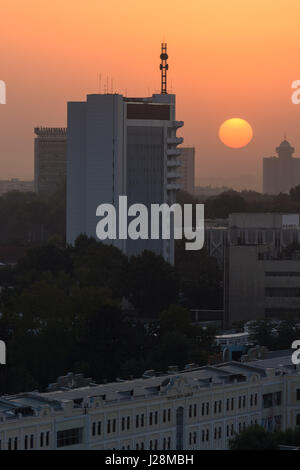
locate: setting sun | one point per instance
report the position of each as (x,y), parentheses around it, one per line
(235,133)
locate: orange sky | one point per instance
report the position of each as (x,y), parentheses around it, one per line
(227,59)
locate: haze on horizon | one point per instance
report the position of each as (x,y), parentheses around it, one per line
(226,59)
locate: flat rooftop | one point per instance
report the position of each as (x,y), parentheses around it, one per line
(196,378)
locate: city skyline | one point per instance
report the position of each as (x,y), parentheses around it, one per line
(233,60)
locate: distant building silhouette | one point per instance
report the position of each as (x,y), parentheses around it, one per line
(187,169)
(50,156)
(281,173)
(121,146)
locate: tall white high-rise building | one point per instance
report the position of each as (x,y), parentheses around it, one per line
(121,146)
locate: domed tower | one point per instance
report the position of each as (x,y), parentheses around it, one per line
(285,150)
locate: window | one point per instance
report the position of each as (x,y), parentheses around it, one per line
(164,416)
(9,441)
(244,401)
(195,410)
(232,403)
(207,408)
(277,399)
(31,441)
(114,425)
(137,421)
(215,407)
(142,420)
(220,406)
(123,424)
(26,442)
(42,439)
(283,274)
(190,411)
(282,292)
(151,419)
(99,428)
(267,400)
(47,438)
(169,414)
(94,429)
(108,426)
(69,437)
(128,422)
(156,417)
(298,419)
(298,393)
(203,409)
(227,404)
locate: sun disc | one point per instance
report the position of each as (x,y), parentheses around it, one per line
(235,133)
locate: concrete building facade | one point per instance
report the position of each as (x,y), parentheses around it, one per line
(121,146)
(200,408)
(50,159)
(262,279)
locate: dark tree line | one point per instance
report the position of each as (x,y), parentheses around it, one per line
(245,201)
(29,219)
(257,438)
(61,310)
(275,335)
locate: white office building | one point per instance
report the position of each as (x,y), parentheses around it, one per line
(121,146)
(200,408)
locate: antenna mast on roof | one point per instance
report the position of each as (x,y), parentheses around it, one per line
(164,67)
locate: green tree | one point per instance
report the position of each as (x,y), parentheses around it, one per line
(254,438)
(200,278)
(151,283)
